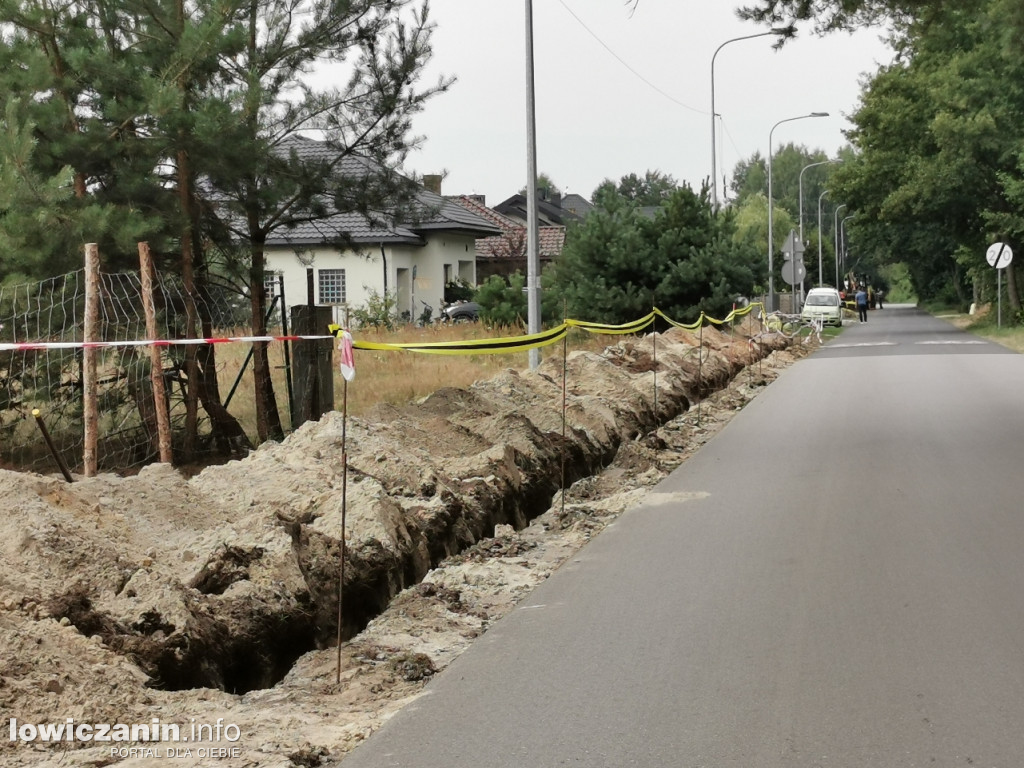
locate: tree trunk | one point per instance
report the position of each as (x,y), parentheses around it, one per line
(1012,293)
(227,433)
(141,390)
(191,313)
(268,418)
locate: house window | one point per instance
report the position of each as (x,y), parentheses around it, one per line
(331,286)
(272,285)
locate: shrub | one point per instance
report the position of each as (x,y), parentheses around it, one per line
(377,312)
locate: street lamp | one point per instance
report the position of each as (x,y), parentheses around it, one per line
(714,183)
(842,229)
(835,232)
(532,215)
(801,186)
(801,206)
(771,245)
(821,275)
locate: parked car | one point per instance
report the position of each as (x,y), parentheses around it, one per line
(461,312)
(823,303)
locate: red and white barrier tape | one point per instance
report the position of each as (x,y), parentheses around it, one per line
(41,345)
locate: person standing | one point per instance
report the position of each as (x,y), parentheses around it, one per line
(862,304)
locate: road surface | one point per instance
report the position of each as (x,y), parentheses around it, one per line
(836,579)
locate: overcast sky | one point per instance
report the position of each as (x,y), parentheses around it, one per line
(620,93)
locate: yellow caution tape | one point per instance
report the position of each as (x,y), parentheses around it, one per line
(475,346)
(633,327)
(691,327)
(536,340)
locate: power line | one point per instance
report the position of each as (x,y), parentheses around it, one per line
(626,65)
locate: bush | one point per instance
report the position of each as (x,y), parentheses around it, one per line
(621,261)
(457,290)
(377,312)
(503,303)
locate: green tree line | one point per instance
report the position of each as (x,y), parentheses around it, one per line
(649,241)
(936,172)
(175,123)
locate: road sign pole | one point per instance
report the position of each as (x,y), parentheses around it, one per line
(999,255)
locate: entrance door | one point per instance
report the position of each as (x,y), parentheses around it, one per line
(404,294)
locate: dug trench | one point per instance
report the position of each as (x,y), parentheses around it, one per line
(223,581)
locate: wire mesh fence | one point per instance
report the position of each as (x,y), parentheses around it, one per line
(49,378)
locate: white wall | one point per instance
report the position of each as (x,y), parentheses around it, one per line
(364,271)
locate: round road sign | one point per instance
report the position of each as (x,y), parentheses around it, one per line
(999,255)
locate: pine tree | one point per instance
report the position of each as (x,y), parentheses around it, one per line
(177,124)
(621,261)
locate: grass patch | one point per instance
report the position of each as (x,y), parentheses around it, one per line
(390,377)
(1011,337)
(401,377)
(984,324)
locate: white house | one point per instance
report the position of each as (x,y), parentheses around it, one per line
(413,261)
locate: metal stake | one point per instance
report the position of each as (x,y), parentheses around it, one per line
(49,443)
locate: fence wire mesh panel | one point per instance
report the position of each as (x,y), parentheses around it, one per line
(50,380)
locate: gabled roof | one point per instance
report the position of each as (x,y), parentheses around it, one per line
(577,204)
(552,240)
(511,243)
(434,213)
(547,211)
(501,221)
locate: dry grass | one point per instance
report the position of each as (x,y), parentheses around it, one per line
(1013,338)
(983,323)
(401,377)
(391,377)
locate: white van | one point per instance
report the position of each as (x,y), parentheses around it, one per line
(824,303)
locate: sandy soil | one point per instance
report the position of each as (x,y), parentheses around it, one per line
(214,599)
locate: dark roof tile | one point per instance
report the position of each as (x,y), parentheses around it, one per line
(438,214)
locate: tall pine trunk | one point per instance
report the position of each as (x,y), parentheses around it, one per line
(191,314)
(227,433)
(268,417)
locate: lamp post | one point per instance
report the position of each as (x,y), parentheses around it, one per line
(842,229)
(801,217)
(835,232)
(801,188)
(714,183)
(771,234)
(532,227)
(821,275)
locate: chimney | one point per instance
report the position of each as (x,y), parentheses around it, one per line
(432,182)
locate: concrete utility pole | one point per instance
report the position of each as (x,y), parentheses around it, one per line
(532,227)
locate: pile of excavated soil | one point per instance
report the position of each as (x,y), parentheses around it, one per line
(214,599)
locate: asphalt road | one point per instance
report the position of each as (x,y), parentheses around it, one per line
(836,579)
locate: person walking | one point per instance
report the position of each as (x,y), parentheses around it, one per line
(862,304)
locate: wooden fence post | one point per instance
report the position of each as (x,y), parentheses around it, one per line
(90,404)
(313,390)
(156,369)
